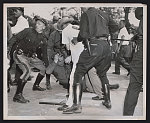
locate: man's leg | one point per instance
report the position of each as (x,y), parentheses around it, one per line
(123,61)
(117,64)
(22,63)
(48,84)
(37,63)
(102,68)
(84,64)
(62,76)
(18,73)
(94,84)
(8,81)
(135,85)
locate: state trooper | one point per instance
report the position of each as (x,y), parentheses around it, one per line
(95,26)
(25,56)
(136,69)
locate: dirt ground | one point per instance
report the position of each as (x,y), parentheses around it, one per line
(91,109)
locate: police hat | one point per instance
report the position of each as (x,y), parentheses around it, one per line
(62,21)
(139,13)
(41,19)
(56,18)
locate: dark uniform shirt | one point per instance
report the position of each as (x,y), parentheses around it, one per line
(28,40)
(140,28)
(95,23)
(54,41)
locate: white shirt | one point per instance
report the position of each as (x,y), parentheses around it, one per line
(67,35)
(124,32)
(21,24)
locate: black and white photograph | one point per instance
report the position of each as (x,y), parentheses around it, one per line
(74,61)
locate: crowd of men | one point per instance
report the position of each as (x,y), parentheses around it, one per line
(77,52)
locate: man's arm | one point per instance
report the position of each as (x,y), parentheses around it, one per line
(122,37)
(113,26)
(44,52)
(17,38)
(84,32)
(52,65)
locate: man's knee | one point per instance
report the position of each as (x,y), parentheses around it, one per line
(42,72)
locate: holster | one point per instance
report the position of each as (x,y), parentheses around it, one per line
(87,45)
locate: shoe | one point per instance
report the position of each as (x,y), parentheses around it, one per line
(20,99)
(73,109)
(38,88)
(107,104)
(79,110)
(115,86)
(97,98)
(115,73)
(62,108)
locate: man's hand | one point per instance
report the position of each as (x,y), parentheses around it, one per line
(74,40)
(68,60)
(34,55)
(56,58)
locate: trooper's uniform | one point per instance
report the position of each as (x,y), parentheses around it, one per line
(136,72)
(25,56)
(95,25)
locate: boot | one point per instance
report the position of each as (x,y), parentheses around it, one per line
(36,86)
(77,94)
(114,86)
(107,102)
(48,85)
(18,96)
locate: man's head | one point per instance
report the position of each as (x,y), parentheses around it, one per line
(40,24)
(122,24)
(18,11)
(84,9)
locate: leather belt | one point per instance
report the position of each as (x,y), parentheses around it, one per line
(99,38)
(125,45)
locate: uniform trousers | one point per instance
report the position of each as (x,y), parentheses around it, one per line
(123,58)
(25,64)
(100,59)
(136,81)
(93,83)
